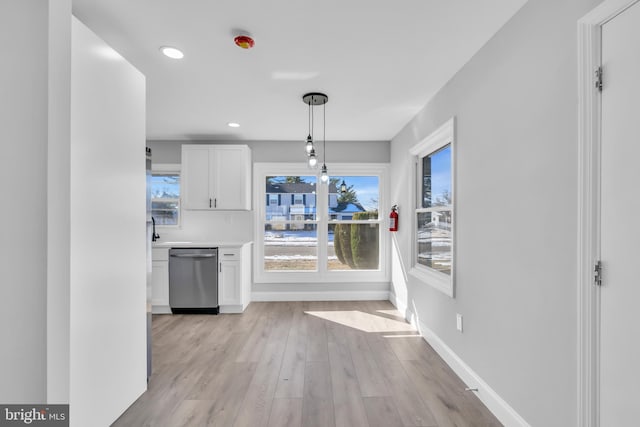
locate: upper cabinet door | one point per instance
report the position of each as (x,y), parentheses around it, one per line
(231,177)
(195,178)
(216,177)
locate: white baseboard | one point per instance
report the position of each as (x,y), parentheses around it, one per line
(160,309)
(319,295)
(231,309)
(402,307)
(498,406)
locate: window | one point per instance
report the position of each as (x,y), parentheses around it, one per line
(433,243)
(290,228)
(354,224)
(165,197)
(309,231)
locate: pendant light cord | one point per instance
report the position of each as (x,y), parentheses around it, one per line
(324,131)
(309,118)
(311,109)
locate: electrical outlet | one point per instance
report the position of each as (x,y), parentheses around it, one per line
(459,322)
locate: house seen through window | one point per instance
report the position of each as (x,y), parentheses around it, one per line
(434,217)
(291,223)
(165,198)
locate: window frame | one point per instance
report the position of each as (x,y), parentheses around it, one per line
(322,274)
(437,140)
(169,169)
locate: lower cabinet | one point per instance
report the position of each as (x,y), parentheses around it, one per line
(160,281)
(234,279)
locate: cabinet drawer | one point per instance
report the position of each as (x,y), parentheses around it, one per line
(228,254)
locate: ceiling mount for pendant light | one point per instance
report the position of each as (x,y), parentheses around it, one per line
(312,99)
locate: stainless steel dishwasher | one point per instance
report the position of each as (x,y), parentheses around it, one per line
(193,280)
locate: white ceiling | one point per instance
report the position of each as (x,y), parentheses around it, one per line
(378,61)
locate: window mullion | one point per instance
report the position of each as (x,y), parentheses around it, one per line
(322,216)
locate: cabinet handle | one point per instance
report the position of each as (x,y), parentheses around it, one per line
(209,202)
(215,203)
(220,264)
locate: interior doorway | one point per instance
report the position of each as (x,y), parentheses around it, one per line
(609,228)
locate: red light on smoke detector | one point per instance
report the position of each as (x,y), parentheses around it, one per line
(244,42)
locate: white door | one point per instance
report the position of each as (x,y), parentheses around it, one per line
(620,222)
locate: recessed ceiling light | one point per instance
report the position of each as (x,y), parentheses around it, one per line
(233,125)
(172,52)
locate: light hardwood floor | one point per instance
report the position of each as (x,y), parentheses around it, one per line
(303,364)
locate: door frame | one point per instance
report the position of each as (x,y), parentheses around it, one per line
(589,143)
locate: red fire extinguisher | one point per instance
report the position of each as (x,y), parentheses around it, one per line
(393,218)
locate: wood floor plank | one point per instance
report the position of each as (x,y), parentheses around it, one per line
(445,410)
(382,412)
(316,339)
(291,378)
(411,408)
(405,347)
(192,413)
(256,340)
(347,397)
(369,373)
(317,403)
(257,402)
(286,413)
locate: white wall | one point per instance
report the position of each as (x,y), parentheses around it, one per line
(108,234)
(23,244)
(516,194)
(58,203)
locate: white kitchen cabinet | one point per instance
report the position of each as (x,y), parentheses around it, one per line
(160,280)
(234,278)
(216,177)
(229,278)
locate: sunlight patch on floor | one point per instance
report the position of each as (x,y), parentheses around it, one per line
(365,322)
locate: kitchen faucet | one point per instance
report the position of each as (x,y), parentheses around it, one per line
(154,236)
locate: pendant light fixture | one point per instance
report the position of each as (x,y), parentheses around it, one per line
(325,176)
(309,146)
(312,99)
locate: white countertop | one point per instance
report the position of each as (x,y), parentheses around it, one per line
(198,244)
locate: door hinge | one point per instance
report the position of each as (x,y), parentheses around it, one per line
(597,273)
(597,77)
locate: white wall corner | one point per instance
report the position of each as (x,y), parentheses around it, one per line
(496,404)
(399,304)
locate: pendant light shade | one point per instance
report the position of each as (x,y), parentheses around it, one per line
(309,145)
(312,99)
(325,176)
(312,160)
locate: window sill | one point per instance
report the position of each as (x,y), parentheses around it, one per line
(438,281)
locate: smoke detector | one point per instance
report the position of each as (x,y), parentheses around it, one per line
(244,41)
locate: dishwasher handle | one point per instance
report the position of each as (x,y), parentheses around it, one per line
(193,255)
